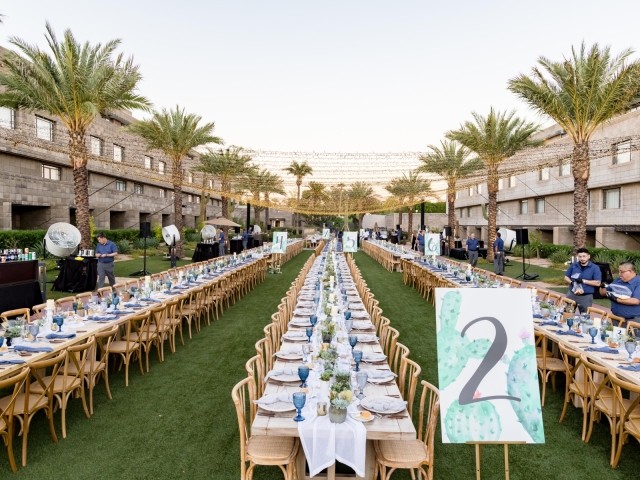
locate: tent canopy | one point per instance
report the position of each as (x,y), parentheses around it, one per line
(223,222)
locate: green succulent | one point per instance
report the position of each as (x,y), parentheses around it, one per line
(340,403)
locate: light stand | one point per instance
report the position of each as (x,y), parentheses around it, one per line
(173,253)
(524,275)
(142,272)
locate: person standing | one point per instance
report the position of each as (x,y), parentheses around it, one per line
(472,249)
(627,308)
(106,251)
(583,278)
(414,240)
(245,240)
(421,238)
(221,243)
(498,255)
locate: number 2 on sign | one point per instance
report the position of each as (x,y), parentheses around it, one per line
(490,360)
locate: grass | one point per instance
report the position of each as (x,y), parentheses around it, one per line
(564,456)
(514,268)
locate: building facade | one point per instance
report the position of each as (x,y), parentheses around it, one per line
(542,200)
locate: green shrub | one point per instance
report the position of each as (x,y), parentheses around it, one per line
(559,256)
(601,257)
(156,231)
(21,238)
(124,246)
(151,243)
(192,237)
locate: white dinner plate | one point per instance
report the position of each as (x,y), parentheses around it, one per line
(381,398)
(382,379)
(286,378)
(278,407)
(289,356)
(356,416)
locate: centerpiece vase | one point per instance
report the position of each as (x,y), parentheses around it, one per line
(337,415)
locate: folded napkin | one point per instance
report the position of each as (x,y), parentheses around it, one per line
(121,312)
(373,357)
(181,287)
(295,334)
(60,335)
(288,351)
(380,373)
(31,348)
(281,371)
(633,368)
(550,322)
(537,315)
(133,305)
(569,332)
(362,325)
(169,292)
(601,349)
(11,362)
(367,338)
(150,300)
(381,406)
(102,317)
(274,398)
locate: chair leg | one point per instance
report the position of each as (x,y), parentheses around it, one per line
(12,460)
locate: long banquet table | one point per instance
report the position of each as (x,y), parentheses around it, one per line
(379,429)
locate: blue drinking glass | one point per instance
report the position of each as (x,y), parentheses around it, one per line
(316,300)
(570,322)
(343,291)
(134,289)
(116,301)
(59,321)
(357,356)
(313,319)
(344,298)
(195,277)
(353,340)
(309,333)
(168,283)
(303,373)
(299,399)
(593,331)
(74,305)
(347,315)
(317,287)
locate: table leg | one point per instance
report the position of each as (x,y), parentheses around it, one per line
(301,464)
(369,462)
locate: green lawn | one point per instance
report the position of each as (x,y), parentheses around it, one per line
(564,456)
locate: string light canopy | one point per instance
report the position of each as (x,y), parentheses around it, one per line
(334,174)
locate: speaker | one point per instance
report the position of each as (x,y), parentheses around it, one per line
(145,229)
(268,227)
(481,243)
(522,236)
(236,229)
(398,227)
(447,231)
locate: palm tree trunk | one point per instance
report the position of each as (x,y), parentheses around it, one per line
(360,219)
(581,170)
(204,199)
(410,232)
(224,200)
(266,212)
(492,187)
(298,226)
(451,213)
(78,157)
(400,216)
(176,177)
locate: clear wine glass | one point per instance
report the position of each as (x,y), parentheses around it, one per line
(361,379)
(630,347)
(34,329)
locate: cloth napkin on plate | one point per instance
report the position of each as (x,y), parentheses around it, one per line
(537,315)
(281,371)
(288,351)
(633,368)
(102,317)
(295,335)
(133,305)
(373,357)
(31,348)
(367,338)
(181,287)
(601,349)
(169,292)
(362,325)
(60,335)
(11,362)
(380,374)
(550,322)
(382,406)
(274,398)
(121,312)
(569,332)
(150,300)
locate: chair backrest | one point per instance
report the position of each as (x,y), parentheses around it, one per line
(77,356)
(390,339)
(429,406)
(408,380)
(596,385)
(633,327)
(158,316)
(263,348)
(621,321)
(596,312)
(138,324)
(255,370)
(84,297)
(18,312)
(104,292)
(554,298)
(16,381)
(37,372)
(543,295)
(133,283)
(64,304)
(401,352)
(573,365)
(103,341)
(38,311)
(624,406)
(243,395)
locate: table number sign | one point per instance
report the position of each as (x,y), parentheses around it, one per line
(279,242)
(325,234)
(432,244)
(350,242)
(487,366)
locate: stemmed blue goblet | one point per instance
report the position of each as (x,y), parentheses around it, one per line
(116,301)
(299,399)
(630,347)
(74,305)
(316,300)
(347,315)
(348,324)
(59,321)
(34,328)
(344,298)
(570,322)
(309,333)
(353,340)
(303,373)
(313,319)
(593,331)
(357,356)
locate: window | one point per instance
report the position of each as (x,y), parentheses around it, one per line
(622,152)
(470,191)
(44,129)
(565,169)
(190,198)
(539,205)
(148,161)
(138,188)
(197,198)
(118,153)
(50,173)
(7,117)
(161,168)
(469,211)
(190,177)
(96,146)
(524,207)
(462,210)
(611,198)
(211,186)
(543,174)
(163,193)
(479,189)
(121,185)
(500,184)
(512,182)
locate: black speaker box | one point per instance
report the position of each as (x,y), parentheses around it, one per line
(447,231)
(145,229)
(268,227)
(236,229)
(522,236)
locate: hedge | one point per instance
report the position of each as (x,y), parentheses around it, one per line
(21,238)
(547,249)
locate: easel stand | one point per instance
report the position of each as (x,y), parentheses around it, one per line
(506,455)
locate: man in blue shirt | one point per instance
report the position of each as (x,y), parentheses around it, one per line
(498,255)
(472,249)
(421,242)
(245,239)
(627,308)
(221,243)
(583,278)
(105,253)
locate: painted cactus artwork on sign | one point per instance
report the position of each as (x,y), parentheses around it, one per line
(487,369)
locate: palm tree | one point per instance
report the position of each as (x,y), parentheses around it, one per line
(175,133)
(581,93)
(399,197)
(494,139)
(362,199)
(299,170)
(414,188)
(451,162)
(228,166)
(272,183)
(253,183)
(77,83)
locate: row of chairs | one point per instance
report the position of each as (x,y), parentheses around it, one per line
(383,256)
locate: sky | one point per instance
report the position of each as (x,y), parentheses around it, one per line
(332,76)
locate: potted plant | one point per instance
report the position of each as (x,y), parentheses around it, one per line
(328,330)
(544,309)
(339,404)
(325,378)
(12,332)
(605,332)
(329,357)
(569,311)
